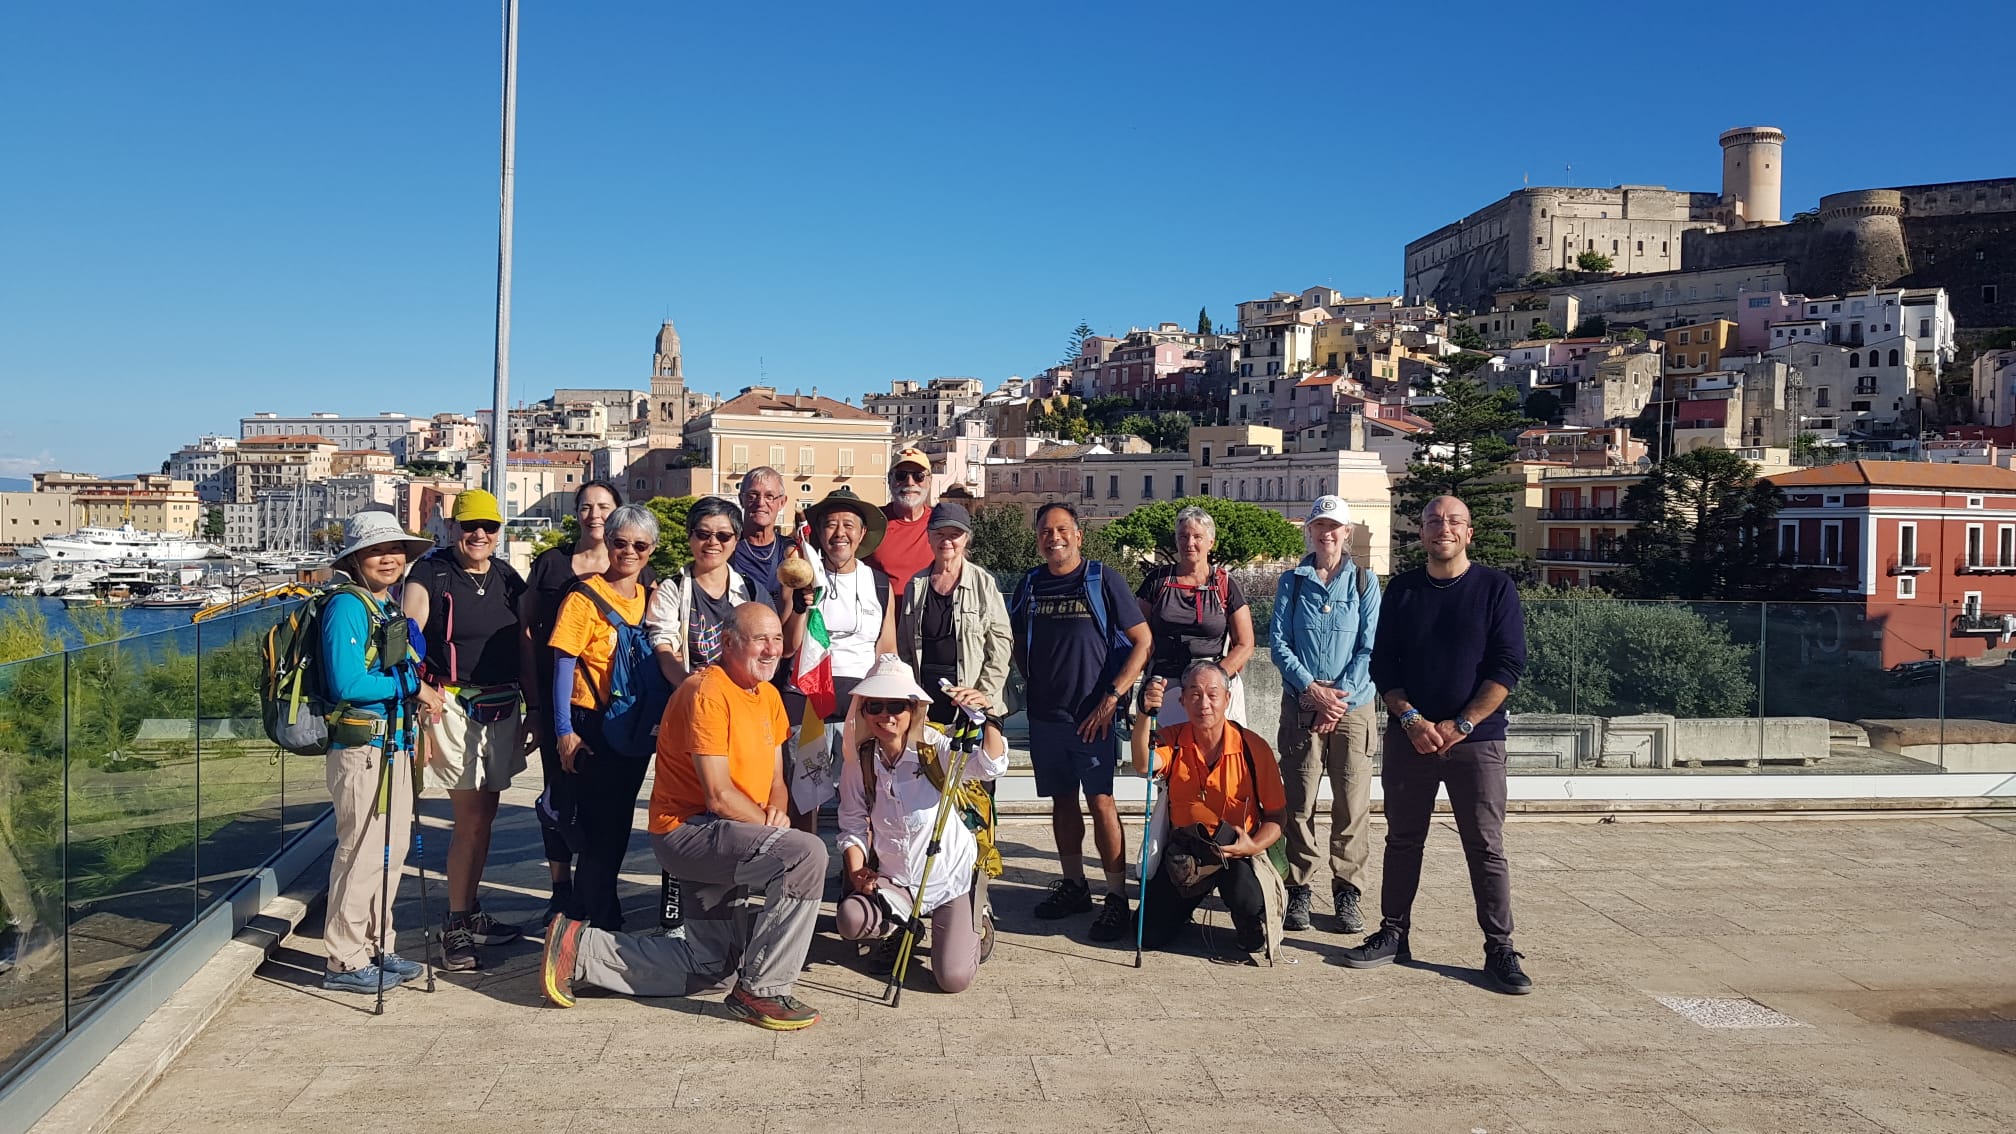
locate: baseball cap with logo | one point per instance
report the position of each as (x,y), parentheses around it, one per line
(1331,508)
(914,457)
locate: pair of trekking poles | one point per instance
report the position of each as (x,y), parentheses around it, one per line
(383,805)
(966,736)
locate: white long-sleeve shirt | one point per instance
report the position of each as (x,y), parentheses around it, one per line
(897,823)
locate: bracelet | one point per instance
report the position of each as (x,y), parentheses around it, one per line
(1409,717)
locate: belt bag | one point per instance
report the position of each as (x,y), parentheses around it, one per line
(1191,861)
(487,705)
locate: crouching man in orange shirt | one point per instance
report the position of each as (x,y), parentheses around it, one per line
(718,824)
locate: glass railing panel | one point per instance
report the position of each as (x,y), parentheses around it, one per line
(239,810)
(33,720)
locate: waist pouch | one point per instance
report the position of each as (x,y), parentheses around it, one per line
(1191,862)
(487,705)
(355,728)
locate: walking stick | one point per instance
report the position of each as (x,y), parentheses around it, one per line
(384,806)
(963,740)
(420,856)
(1147,832)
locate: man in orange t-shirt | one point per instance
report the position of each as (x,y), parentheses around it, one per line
(1226,806)
(718,824)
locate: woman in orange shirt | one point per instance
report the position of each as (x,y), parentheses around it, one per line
(596,785)
(1226,804)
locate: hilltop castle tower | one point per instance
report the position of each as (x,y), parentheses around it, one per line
(1753,169)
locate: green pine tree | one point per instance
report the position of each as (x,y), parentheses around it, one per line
(1203,321)
(1466,455)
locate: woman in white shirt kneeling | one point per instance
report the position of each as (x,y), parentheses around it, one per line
(888,805)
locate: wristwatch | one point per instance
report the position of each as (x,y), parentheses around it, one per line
(1113,692)
(1464,727)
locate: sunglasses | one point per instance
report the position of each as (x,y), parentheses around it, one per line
(884,708)
(712,537)
(909,476)
(641,547)
(490,526)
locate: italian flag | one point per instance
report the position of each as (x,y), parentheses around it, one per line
(814,674)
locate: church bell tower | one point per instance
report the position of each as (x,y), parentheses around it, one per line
(668,392)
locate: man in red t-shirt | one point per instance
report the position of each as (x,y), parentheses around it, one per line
(906,548)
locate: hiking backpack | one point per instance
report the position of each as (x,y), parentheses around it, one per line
(974,806)
(1118,645)
(294,706)
(638,691)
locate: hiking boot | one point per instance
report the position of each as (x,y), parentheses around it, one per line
(1114,921)
(396,965)
(363,979)
(1297,915)
(772,1013)
(882,961)
(1382,948)
(1502,966)
(487,930)
(556,970)
(1067,896)
(1344,898)
(458,948)
(986,935)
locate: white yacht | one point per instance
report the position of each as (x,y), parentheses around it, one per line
(100,545)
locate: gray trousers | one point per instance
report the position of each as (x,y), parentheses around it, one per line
(1346,754)
(721,863)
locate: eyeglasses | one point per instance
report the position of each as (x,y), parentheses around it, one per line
(884,708)
(641,547)
(909,476)
(772,497)
(712,537)
(1445,522)
(490,526)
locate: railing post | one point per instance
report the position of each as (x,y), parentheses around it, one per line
(1763,672)
(1945,640)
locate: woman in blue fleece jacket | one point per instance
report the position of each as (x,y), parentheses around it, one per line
(368,669)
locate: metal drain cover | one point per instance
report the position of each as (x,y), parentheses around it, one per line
(1729,1012)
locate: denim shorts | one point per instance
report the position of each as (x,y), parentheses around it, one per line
(1064,763)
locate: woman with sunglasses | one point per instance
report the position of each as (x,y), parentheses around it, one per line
(595,793)
(888,807)
(467,605)
(690,612)
(554,573)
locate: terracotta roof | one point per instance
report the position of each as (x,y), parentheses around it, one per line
(1899,474)
(756,402)
(1318,380)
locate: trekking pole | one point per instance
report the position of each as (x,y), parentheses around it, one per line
(1147,832)
(384,806)
(420,856)
(962,746)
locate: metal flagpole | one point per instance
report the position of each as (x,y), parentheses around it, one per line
(500,425)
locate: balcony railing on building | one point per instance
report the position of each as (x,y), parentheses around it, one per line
(1916,564)
(1598,554)
(1976,622)
(1583,514)
(1971,565)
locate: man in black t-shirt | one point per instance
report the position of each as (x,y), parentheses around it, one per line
(1076,679)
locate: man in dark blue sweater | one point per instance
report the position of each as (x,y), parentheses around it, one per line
(1451,645)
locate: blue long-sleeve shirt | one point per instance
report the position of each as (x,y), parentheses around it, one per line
(1324,631)
(1442,643)
(346,634)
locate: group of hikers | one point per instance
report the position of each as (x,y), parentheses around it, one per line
(862,661)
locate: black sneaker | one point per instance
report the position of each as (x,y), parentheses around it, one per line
(458,948)
(1296,917)
(1502,966)
(1113,922)
(487,930)
(1382,948)
(1067,896)
(1344,896)
(882,961)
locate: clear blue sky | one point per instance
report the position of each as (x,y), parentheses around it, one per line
(210,209)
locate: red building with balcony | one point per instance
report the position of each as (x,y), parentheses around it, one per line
(1929,550)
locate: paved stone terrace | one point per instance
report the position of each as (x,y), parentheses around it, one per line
(1891,943)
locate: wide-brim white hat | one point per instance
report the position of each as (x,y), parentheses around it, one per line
(373,529)
(891,678)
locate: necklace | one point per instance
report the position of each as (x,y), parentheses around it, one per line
(1450,583)
(479,584)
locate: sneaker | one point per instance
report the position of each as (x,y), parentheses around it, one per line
(1067,896)
(1502,966)
(1297,915)
(1382,948)
(396,965)
(556,970)
(986,935)
(458,948)
(1114,921)
(882,961)
(363,979)
(487,930)
(772,1013)
(1344,897)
